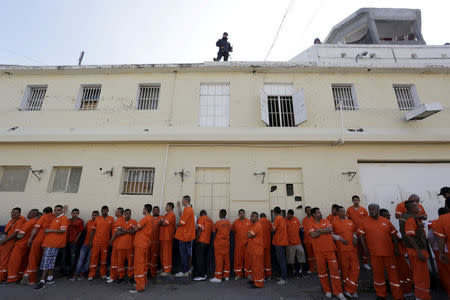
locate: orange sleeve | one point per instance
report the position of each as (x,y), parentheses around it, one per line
(276,223)
(410,227)
(26,227)
(438,229)
(142,223)
(362,229)
(392,229)
(39,222)
(63,225)
(400,209)
(187,214)
(201,223)
(94,226)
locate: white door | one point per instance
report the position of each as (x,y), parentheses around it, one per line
(212,190)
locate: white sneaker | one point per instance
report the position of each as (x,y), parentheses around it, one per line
(281,282)
(347,294)
(164,274)
(341,297)
(90,278)
(159,272)
(110,280)
(200,278)
(214,279)
(355,295)
(227,278)
(237,277)
(309,272)
(328,295)
(181,274)
(367,267)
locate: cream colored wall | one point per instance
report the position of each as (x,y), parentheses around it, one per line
(321,167)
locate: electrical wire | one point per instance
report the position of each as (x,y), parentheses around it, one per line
(24,56)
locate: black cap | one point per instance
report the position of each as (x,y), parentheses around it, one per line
(225,33)
(444,190)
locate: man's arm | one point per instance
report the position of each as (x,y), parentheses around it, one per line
(32,236)
(12,236)
(441,246)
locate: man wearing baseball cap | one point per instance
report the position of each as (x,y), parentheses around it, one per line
(445,192)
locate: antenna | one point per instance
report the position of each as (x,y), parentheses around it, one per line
(80,59)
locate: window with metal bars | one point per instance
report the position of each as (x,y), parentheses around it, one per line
(281,111)
(148,97)
(138,181)
(89,97)
(66,179)
(405,97)
(35,97)
(344,97)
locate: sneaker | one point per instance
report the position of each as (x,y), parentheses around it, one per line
(214,279)
(304,275)
(200,278)
(134,291)
(80,278)
(164,274)
(50,281)
(110,280)
(105,277)
(118,281)
(24,280)
(341,296)
(159,272)
(237,277)
(181,274)
(90,278)
(328,295)
(347,294)
(309,272)
(227,278)
(355,295)
(131,280)
(39,286)
(281,282)
(367,267)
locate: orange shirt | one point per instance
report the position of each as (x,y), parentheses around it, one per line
(222,239)
(116,225)
(280,237)
(154,238)
(267,232)
(102,234)
(293,231)
(331,217)
(88,229)
(256,242)
(325,241)
(186,232)
(401,209)
(240,229)
(441,229)
(142,237)
(125,241)
(53,239)
(26,230)
(206,225)
(345,228)
(411,227)
(378,235)
(166,233)
(307,224)
(357,215)
(42,224)
(12,227)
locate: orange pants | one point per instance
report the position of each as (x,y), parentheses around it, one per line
(310,257)
(17,262)
(444,273)
(257,268)
(96,253)
(34,259)
(241,260)
(122,255)
(421,275)
(5,253)
(154,257)
(114,264)
(267,262)
(222,259)
(388,263)
(404,274)
(166,255)
(349,263)
(140,267)
(324,258)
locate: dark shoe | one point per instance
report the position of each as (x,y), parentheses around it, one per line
(304,275)
(214,59)
(39,286)
(118,282)
(134,291)
(131,281)
(52,281)
(249,282)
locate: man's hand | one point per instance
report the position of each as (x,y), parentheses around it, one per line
(222,47)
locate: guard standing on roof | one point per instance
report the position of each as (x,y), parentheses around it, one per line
(224,48)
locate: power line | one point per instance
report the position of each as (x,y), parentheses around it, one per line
(24,56)
(279,28)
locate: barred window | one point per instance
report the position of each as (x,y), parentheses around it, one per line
(13,178)
(89,97)
(281,111)
(66,179)
(148,97)
(138,181)
(405,94)
(344,97)
(34,97)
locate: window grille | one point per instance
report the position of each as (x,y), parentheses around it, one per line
(35,98)
(89,98)
(13,179)
(281,111)
(214,105)
(148,97)
(343,97)
(405,97)
(66,179)
(138,181)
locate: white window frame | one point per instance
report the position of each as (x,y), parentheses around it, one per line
(78,105)
(412,92)
(2,172)
(25,104)
(352,90)
(53,176)
(206,107)
(138,190)
(152,102)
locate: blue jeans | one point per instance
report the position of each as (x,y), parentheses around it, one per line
(280,253)
(83,260)
(185,251)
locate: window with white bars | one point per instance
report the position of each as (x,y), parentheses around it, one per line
(13,178)
(66,179)
(148,97)
(281,111)
(405,97)
(138,181)
(214,105)
(344,97)
(34,96)
(89,97)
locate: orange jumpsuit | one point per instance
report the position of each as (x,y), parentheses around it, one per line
(240,229)
(324,252)
(404,271)
(34,259)
(124,250)
(379,234)
(12,227)
(141,245)
(441,229)
(401,209)
(256,254)
(153,253)
(100,244)
(347,254)
(421,275)
(267,240)
(307,241)
(357,215)
(19,256)
(166,234)
(222,229)
(114,255)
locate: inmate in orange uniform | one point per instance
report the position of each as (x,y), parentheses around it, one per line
(378,235)
(34,259)
(404,271)
(100,244)
(125,250)
(347,254)
(155,245)
(307,241)
(166,234)
(141,245)
(114,255)
(19,256)
(401,209)
(357,215)
(267,240)
(324,249)
(256,254)
(421,275)
(11,228)
(222,229)
(240,229)
(53,239)
(441,229)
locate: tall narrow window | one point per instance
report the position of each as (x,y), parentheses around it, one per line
(214,105)
(34,97)
(138,181)
(66,179)
(13,178)
(89,97)
(406,97)
(344,98)
(281,111)
(148,97)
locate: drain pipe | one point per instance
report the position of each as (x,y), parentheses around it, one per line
(163,185)
(341,140)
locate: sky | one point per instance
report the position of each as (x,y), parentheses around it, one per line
(54,32)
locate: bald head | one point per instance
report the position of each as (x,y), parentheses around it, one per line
(414,198)
(374,210)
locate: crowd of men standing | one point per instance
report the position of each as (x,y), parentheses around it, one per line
(331,246)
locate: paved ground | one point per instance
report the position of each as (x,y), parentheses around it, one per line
(308,289)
